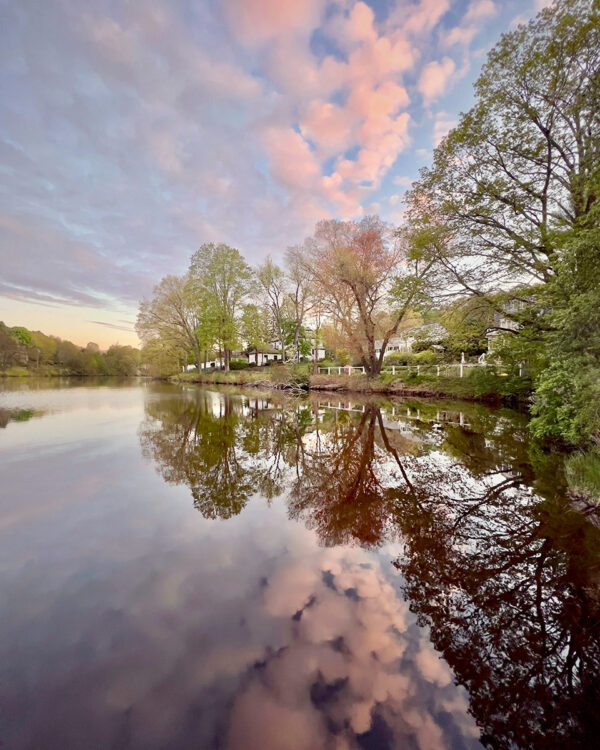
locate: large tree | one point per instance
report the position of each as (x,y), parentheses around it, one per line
(272,289)
(522,163)
(220,278)
(302,300)
(509,208)
(171,315)
(361,270)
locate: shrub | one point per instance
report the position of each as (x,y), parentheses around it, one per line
(238,364)
(426,357)
(399,358)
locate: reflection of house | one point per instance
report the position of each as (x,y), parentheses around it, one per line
(404,341)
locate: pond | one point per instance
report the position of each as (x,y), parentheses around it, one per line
(183,567)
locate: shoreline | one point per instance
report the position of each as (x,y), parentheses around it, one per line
(350,384)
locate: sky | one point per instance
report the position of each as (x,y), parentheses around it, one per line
(133,131)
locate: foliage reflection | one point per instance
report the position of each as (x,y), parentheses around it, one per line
(499,567)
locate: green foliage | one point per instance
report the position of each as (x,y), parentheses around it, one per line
(426,357)
(399,358)
(61,357)
(467,321)
(567,403)
(21,336)
(238,364)
(583,474)
(46,344)
(219,279)
(509,213)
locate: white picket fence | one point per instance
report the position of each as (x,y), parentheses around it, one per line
(345,370)
(456,369)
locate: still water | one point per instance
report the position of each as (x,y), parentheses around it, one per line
(190,568)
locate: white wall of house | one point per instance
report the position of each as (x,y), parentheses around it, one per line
(263,358)
(212,363)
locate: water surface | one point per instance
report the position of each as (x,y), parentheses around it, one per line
(193,568)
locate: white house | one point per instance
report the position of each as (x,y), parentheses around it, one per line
(405,340)
(503,324)
(264,357)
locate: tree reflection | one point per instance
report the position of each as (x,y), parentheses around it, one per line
(224,448)
(337,491)
(196,446)
(508,584)
(506,578)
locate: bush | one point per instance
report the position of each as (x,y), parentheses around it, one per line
(426,357)
(399,358)
(238,364)
(567,403)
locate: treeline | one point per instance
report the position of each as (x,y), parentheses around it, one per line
(352,281)
(36,352)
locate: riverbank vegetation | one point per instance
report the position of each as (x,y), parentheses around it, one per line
(25,353)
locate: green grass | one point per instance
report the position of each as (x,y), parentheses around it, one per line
(275,374)
(583,474)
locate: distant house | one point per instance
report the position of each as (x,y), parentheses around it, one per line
(503,324)
(273,353)
(264,357)
(214,362)
(432,333)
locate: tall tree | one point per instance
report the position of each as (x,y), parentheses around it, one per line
(254,328)
(171,315)
(273,288)
(509,208)
(221,278)
(362,269)
(523,163)
(301,292)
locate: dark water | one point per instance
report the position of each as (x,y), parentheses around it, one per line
(187,568)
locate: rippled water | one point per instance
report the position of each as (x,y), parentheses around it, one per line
(192,568)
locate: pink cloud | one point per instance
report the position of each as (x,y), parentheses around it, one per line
(328,125)
(418,18)
(435,78)
(480,10)
(255,22)
(292,161)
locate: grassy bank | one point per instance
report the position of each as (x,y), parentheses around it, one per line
(268,377)
(476,386)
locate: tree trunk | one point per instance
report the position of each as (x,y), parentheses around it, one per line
(227,359)
(296,337)
(374,361)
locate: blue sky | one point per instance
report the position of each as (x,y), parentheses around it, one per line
(133,131)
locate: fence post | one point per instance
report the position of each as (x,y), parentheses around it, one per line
(329,370)
(462,362)
(393,369)
(418,369)
(438,371)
